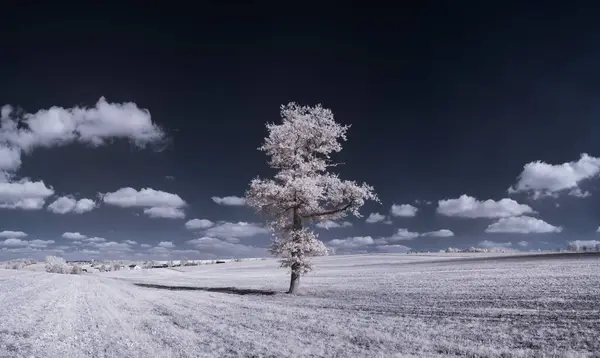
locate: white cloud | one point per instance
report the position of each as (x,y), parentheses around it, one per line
(522,225)
(439,233)
(145,245)
(58,125)
(196,224)
(403,234)
(523,243)
(492,244)
(67,204)
(240,229)
(578,193)
(12,234)
(165,212)
(375,218)
(22,132)
(542,179)
(40,243)
(14,242)
(404,210)
(130,242)
(95,239)
(424,202)
(229,200)
(73,236)
(352,242)
(112,246)
(89,252)
(24,194)
(166,244)
(468,207)
(33,244)
(220,248)
(145,198)
(393,248)
(333,225)
(10,158)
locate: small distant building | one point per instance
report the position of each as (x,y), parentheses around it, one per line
(134,267)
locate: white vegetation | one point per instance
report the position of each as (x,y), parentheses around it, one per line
(303,191)
(19,264)
(585,246)
(56,264)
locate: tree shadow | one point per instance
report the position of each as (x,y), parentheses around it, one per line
(227,290)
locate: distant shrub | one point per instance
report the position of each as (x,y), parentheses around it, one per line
(238,260)
(76,270)
(56,264)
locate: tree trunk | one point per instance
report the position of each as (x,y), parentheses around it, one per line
(295,275)
(294,281)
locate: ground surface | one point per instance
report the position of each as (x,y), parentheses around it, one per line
(352,306)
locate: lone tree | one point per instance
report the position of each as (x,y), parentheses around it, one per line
(303,192)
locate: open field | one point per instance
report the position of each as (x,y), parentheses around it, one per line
(351,306)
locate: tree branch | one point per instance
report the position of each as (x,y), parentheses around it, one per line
(329,212)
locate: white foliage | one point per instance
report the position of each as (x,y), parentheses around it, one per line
(300,148)
(56,264)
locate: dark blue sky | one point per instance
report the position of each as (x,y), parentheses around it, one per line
(443,101)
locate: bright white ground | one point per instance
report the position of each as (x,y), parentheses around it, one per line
(351,306)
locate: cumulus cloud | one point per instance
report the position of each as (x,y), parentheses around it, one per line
(14,242)
(578,193)
(439,233)
(333,225)
(12,234)
(130,242)
(522,225)
(22,132)
(111,246)
(166,244)
(68,204)
(198,224)
(145,245)
(541,179)
(492,244)
(24,194)
(40,243)
(95,125)
(165,212)
(229,200)
(352,242)
(221,248)
(144,198)
(403,210)
(158,203)
(238,230)
(468,207)
(375,218)
(95,239)
(523,243)
(10,159)
(73,236)
(403,234)
(33,244)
